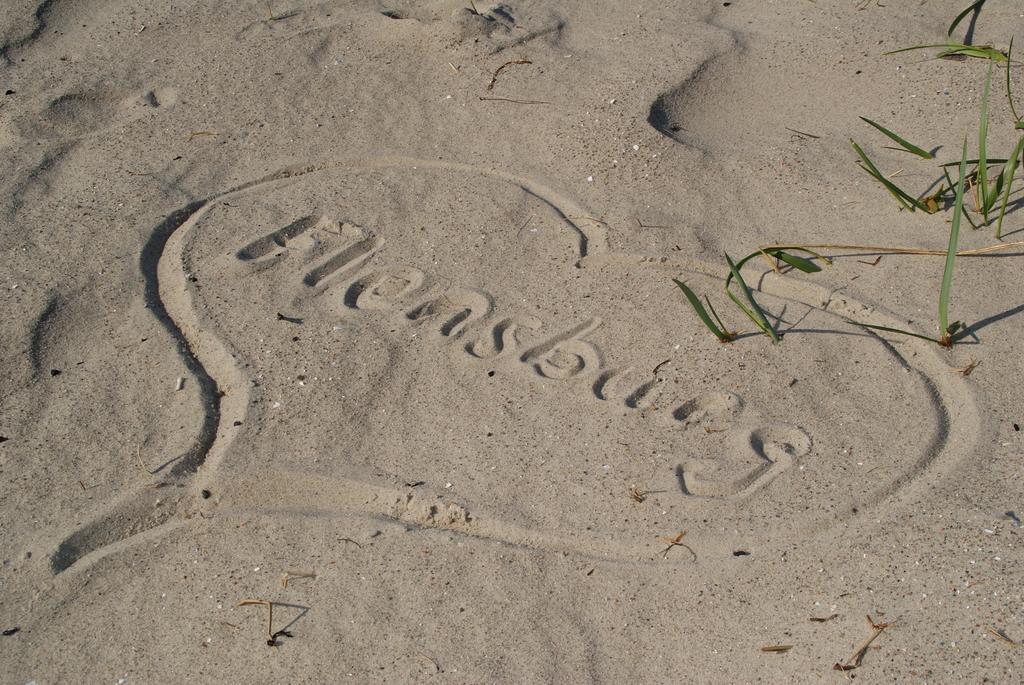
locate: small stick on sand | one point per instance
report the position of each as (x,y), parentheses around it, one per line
(976,252)
(967,369)
(272,639)
(494,79)
(997,633)
(858,656)
(142,464)
(292,575)
(525,224)
(270,616)
(676,541)
(430,662)
(521,102)
(777,649)
(801,133)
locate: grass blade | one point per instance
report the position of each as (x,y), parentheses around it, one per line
(903,198)
(887,329)
(1007,178)
(909,147)
(754,311)
(816,255)
(805,265)
(718,319)
(945,330)
(720,333)
(918,47)
(959,50)
(982,141)
(953,187)
(977,51)
(973,7)
(1009,93)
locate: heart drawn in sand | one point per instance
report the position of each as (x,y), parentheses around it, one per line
(390,322)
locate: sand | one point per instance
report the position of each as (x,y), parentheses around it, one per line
(304,303)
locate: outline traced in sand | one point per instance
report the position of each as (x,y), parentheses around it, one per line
(451,314)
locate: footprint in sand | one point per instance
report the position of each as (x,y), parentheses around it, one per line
(81,112)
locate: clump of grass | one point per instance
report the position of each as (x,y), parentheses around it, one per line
(748,304)
(989,193)
(716,327)
(946,329)
(906,200)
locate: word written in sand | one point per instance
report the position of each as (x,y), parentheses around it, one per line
(350,275)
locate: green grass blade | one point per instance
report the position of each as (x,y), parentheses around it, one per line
(720,333)
(747,311)
(909,147)
(959,50)
(718,319)
(816,255)
(1008,171)
(953,187)
(986,52)
(945,332)
(918,47)
(754,311)
(974,6)
(903,198)
(805,265)
(893,330)
(1009,92)
(982,141)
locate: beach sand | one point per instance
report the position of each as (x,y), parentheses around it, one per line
(363,312)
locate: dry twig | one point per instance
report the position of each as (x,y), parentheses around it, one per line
(521,102)
(999,634)
(676,541)
(777,649)
(967,369)
(494,78)
(858,656)
(293,575)
(643,225)
(272,636)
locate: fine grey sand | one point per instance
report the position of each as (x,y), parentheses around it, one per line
(365,310)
